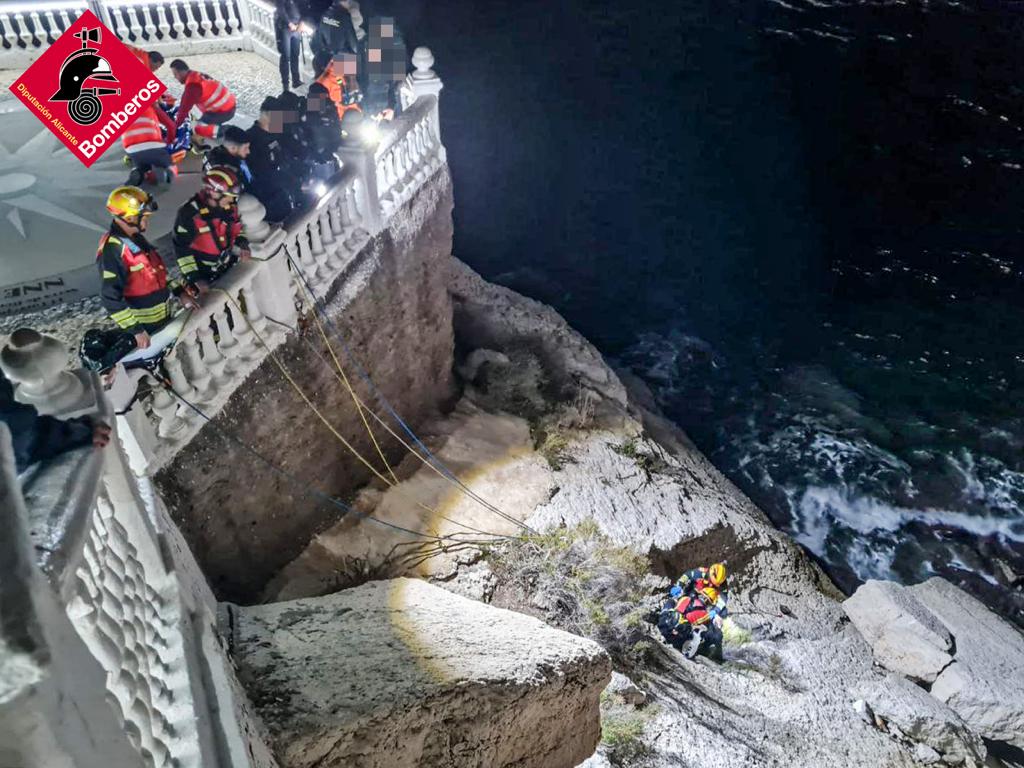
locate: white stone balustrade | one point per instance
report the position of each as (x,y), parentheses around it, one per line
(145,683)
(410,153)
(175,27)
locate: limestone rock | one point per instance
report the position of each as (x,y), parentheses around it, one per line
(922,719)
(477,582)
(985,684)
(403,673)
(905,637)
(625,689)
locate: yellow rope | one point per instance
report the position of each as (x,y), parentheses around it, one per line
(338,435)
(348,385)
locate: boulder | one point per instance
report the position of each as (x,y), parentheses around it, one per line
(625,689)
(905,637)
(985,684)
(402,673)
(922,719)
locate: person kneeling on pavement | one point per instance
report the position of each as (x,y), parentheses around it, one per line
(208,237)
(135,288)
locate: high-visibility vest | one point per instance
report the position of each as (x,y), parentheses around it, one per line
(147,274)
(336,92)
(215,97)
(144,133)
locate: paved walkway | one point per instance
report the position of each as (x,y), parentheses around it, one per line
(52,207)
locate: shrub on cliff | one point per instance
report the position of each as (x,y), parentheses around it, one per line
(581,582)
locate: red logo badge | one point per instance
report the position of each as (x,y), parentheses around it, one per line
(88,88)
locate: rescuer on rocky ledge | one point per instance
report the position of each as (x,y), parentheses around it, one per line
(135,289)
(208,237)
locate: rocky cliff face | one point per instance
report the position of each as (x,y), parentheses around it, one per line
(393,308)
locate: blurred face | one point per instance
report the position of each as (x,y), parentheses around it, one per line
(345,65)
(243,151)
(179,74)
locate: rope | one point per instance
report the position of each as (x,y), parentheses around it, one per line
(334,431)
(352,393)
(431,461)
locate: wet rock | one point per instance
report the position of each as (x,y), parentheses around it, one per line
(905,637)
(402,673)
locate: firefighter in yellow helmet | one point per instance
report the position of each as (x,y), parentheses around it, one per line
(711,584)
(135,288)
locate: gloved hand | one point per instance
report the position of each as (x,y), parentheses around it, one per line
(717,621)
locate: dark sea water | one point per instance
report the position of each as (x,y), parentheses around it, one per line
(799,221)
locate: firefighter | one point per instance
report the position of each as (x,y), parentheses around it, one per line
(135,289)
(208,237)
(211,97)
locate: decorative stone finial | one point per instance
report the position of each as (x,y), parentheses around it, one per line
(38,366)
(424,81)
(253,216)
(423,60)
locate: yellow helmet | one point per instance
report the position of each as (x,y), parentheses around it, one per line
(716,574)
(130,203)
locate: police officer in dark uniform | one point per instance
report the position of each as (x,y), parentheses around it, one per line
(336,33)
(274,186)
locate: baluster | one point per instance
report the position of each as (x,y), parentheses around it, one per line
(218,20)
(177,12)
(229,345)
(179,380)
(163,25)
(37,28)
(150,15)
(165,406)
(306,260)
(204,23)
(65,20)
(133,24)
(317,249)
(212,357)
(117,17)
(231,17)
(195,368)
(51,25)
(245,331)
(326,233)
(24,33)
(334,213)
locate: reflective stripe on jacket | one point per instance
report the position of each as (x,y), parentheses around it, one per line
(214,96)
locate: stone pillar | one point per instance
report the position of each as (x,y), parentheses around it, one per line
(37,365)
(253,216)
(364,161)
(423,81)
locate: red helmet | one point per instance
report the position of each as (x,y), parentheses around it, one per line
(222,179)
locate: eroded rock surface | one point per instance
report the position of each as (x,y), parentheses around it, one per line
(401,673)
(985,682)
(904,636)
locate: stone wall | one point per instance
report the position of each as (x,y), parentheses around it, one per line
(243,520)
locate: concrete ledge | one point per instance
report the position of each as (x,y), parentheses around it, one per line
(401,673)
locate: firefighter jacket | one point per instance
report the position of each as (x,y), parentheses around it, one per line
(695,581)
(135,290)
(205,236)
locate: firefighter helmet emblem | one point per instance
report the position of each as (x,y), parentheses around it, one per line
(78,74)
